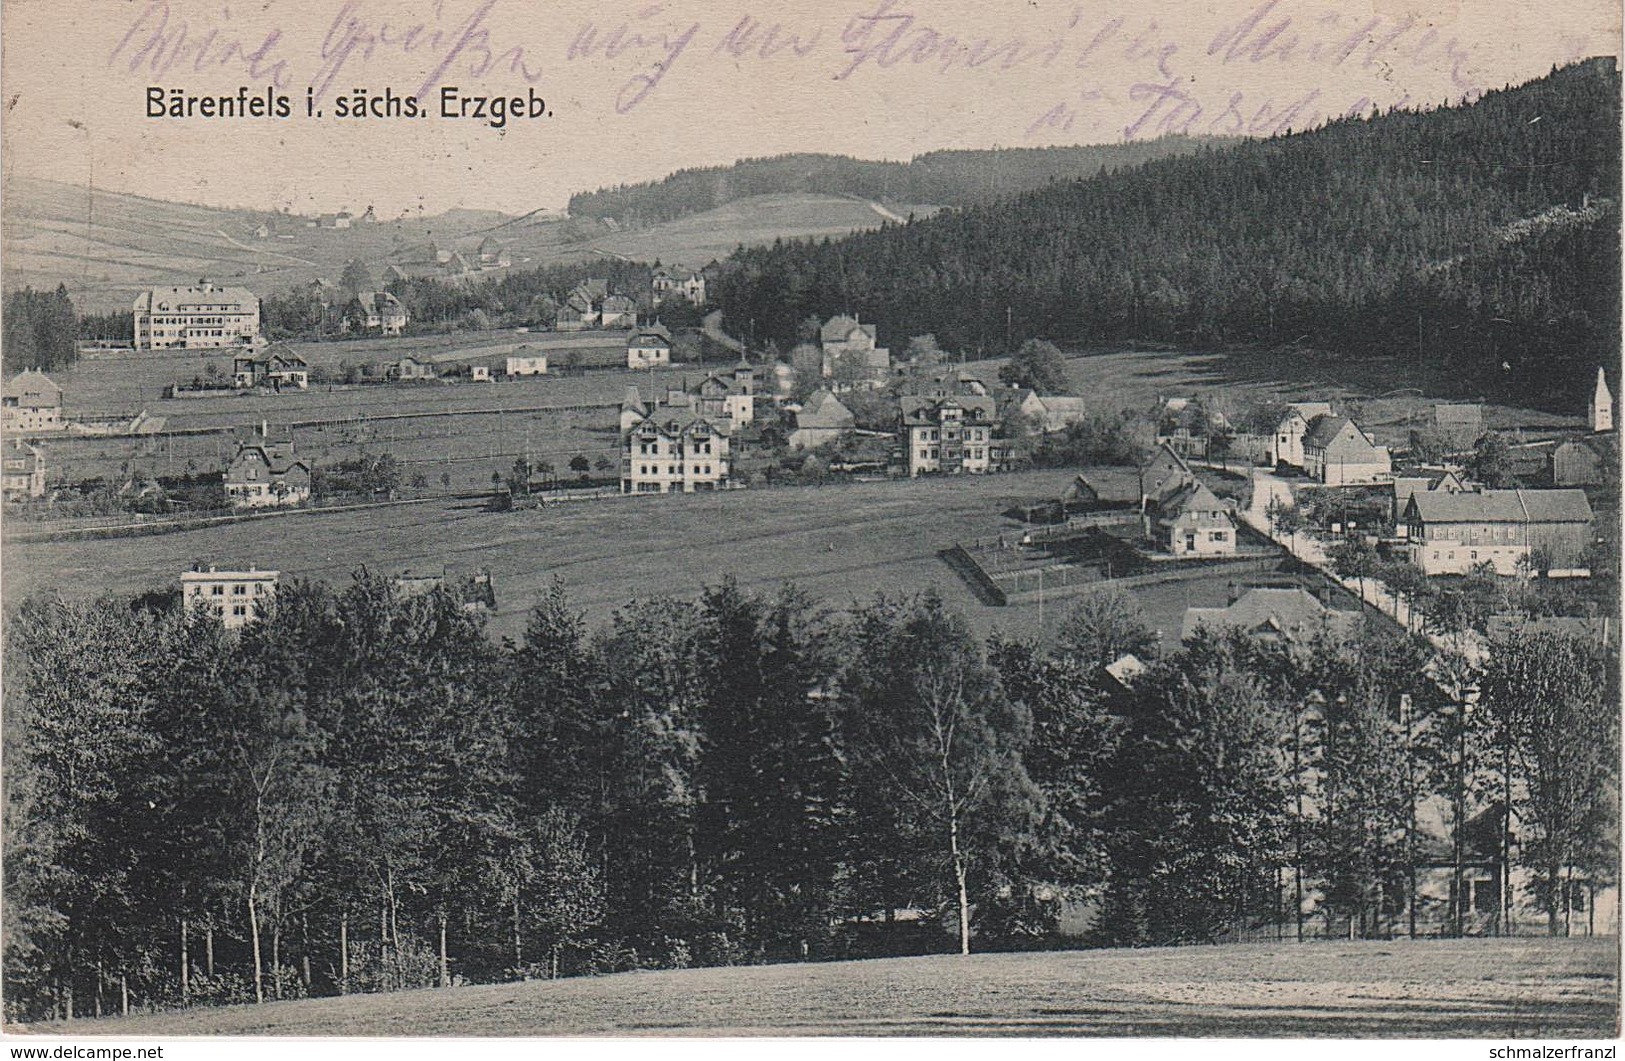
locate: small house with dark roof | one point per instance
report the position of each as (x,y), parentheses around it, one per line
(648,346)
(1337,453)
(375,313)
(409,369)
(32,402)
(850,356)
(266,472)
(822,418)
(22,471)
(1164,475)
(1276,614)
(276,366)
(1286,444)
(1193,522)
(617,311)
(1406,485)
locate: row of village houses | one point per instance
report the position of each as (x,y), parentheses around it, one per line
(204,316)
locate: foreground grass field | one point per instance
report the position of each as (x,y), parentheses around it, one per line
(1458,988)
(840,543)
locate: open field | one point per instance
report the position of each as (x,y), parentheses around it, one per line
(1524,988)
(841,543)
(697,239)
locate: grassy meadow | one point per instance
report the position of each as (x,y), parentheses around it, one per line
(1474,988)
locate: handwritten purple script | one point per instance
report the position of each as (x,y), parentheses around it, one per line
(1148,78)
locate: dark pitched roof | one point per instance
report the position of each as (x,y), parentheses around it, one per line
(1324,429)
(1502,506)
(922,409)
(1292,614)
(824,410)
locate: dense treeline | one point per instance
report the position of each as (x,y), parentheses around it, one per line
(40,328)
(938,178)
(517,296)
(1478,242)
(362,792)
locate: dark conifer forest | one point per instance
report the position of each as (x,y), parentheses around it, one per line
(1477,244)
(939,178)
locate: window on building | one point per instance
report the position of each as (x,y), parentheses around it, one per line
(217,591)
(239,609)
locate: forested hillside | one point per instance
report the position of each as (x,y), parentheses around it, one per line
(948,178)
(1480,241)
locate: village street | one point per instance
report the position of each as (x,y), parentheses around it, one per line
(1267,489)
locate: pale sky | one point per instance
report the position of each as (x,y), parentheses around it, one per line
(636,90)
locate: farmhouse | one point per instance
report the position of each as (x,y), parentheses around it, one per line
(648,347)
(1289,614)
(1588,461)
(193,318)
(265,472)
(409,368)
(232,598)
(277,367)
(822,418)
(526,365)
(1407,485)
(849,355)
(1163,476)
(1458,425)
(22,471)
(670,452)
(678,282)
(1185,424)
(32,402)
(1286,445)
(1451,533)
(1336,452)
(947,435)
(617,311)
(376,313)
(574,317)
(1101,489)
(732,396)
(1052,412)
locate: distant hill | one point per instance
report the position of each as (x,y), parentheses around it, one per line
(1479,244)
(107,245)
(945,178)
